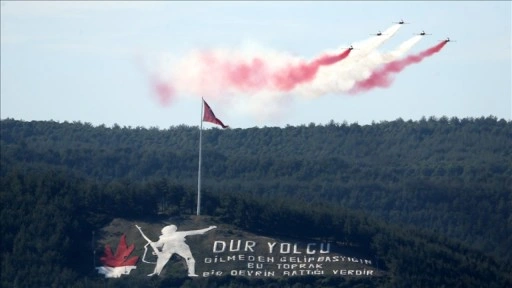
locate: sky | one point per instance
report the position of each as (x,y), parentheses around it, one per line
(98,62)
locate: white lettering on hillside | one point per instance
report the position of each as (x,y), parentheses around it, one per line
(248,258)
(220,246)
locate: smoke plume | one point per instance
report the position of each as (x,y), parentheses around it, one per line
(260,81)
(382,77)
(341,78)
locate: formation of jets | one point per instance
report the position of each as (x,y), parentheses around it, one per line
(401,22)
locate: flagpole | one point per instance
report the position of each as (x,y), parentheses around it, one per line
(199,169)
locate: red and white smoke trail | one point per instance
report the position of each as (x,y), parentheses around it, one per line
(293,75)
(382,77)
(340,78)
(221,72)
(259,81)
(224,73)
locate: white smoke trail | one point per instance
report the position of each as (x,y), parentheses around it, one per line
(401,50)
(367,46)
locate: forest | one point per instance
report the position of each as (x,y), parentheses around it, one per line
(431,198)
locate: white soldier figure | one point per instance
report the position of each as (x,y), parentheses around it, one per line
(171,242)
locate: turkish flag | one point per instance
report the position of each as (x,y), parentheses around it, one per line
(208,116)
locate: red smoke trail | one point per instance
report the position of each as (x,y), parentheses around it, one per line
(289,77)
(247,76)
(164,90)
(244,76)
(382,76)
(256,74)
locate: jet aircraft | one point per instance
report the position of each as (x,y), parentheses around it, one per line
(423,33)
(401,22)
(448,40)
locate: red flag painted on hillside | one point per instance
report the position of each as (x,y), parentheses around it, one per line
(209,116)
(120,263)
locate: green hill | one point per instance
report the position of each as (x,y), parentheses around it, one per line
(428,201)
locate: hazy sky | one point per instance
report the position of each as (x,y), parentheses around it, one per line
(84,61)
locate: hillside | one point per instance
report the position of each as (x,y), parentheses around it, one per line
(452,176)
(345,183)
(49,216)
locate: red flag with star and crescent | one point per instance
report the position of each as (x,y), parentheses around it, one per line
(209,116)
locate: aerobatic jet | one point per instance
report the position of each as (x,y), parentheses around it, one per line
(401,22)
(377,34)
(448,40)
(423,33)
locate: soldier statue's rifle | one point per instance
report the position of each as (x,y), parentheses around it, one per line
(151,243)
